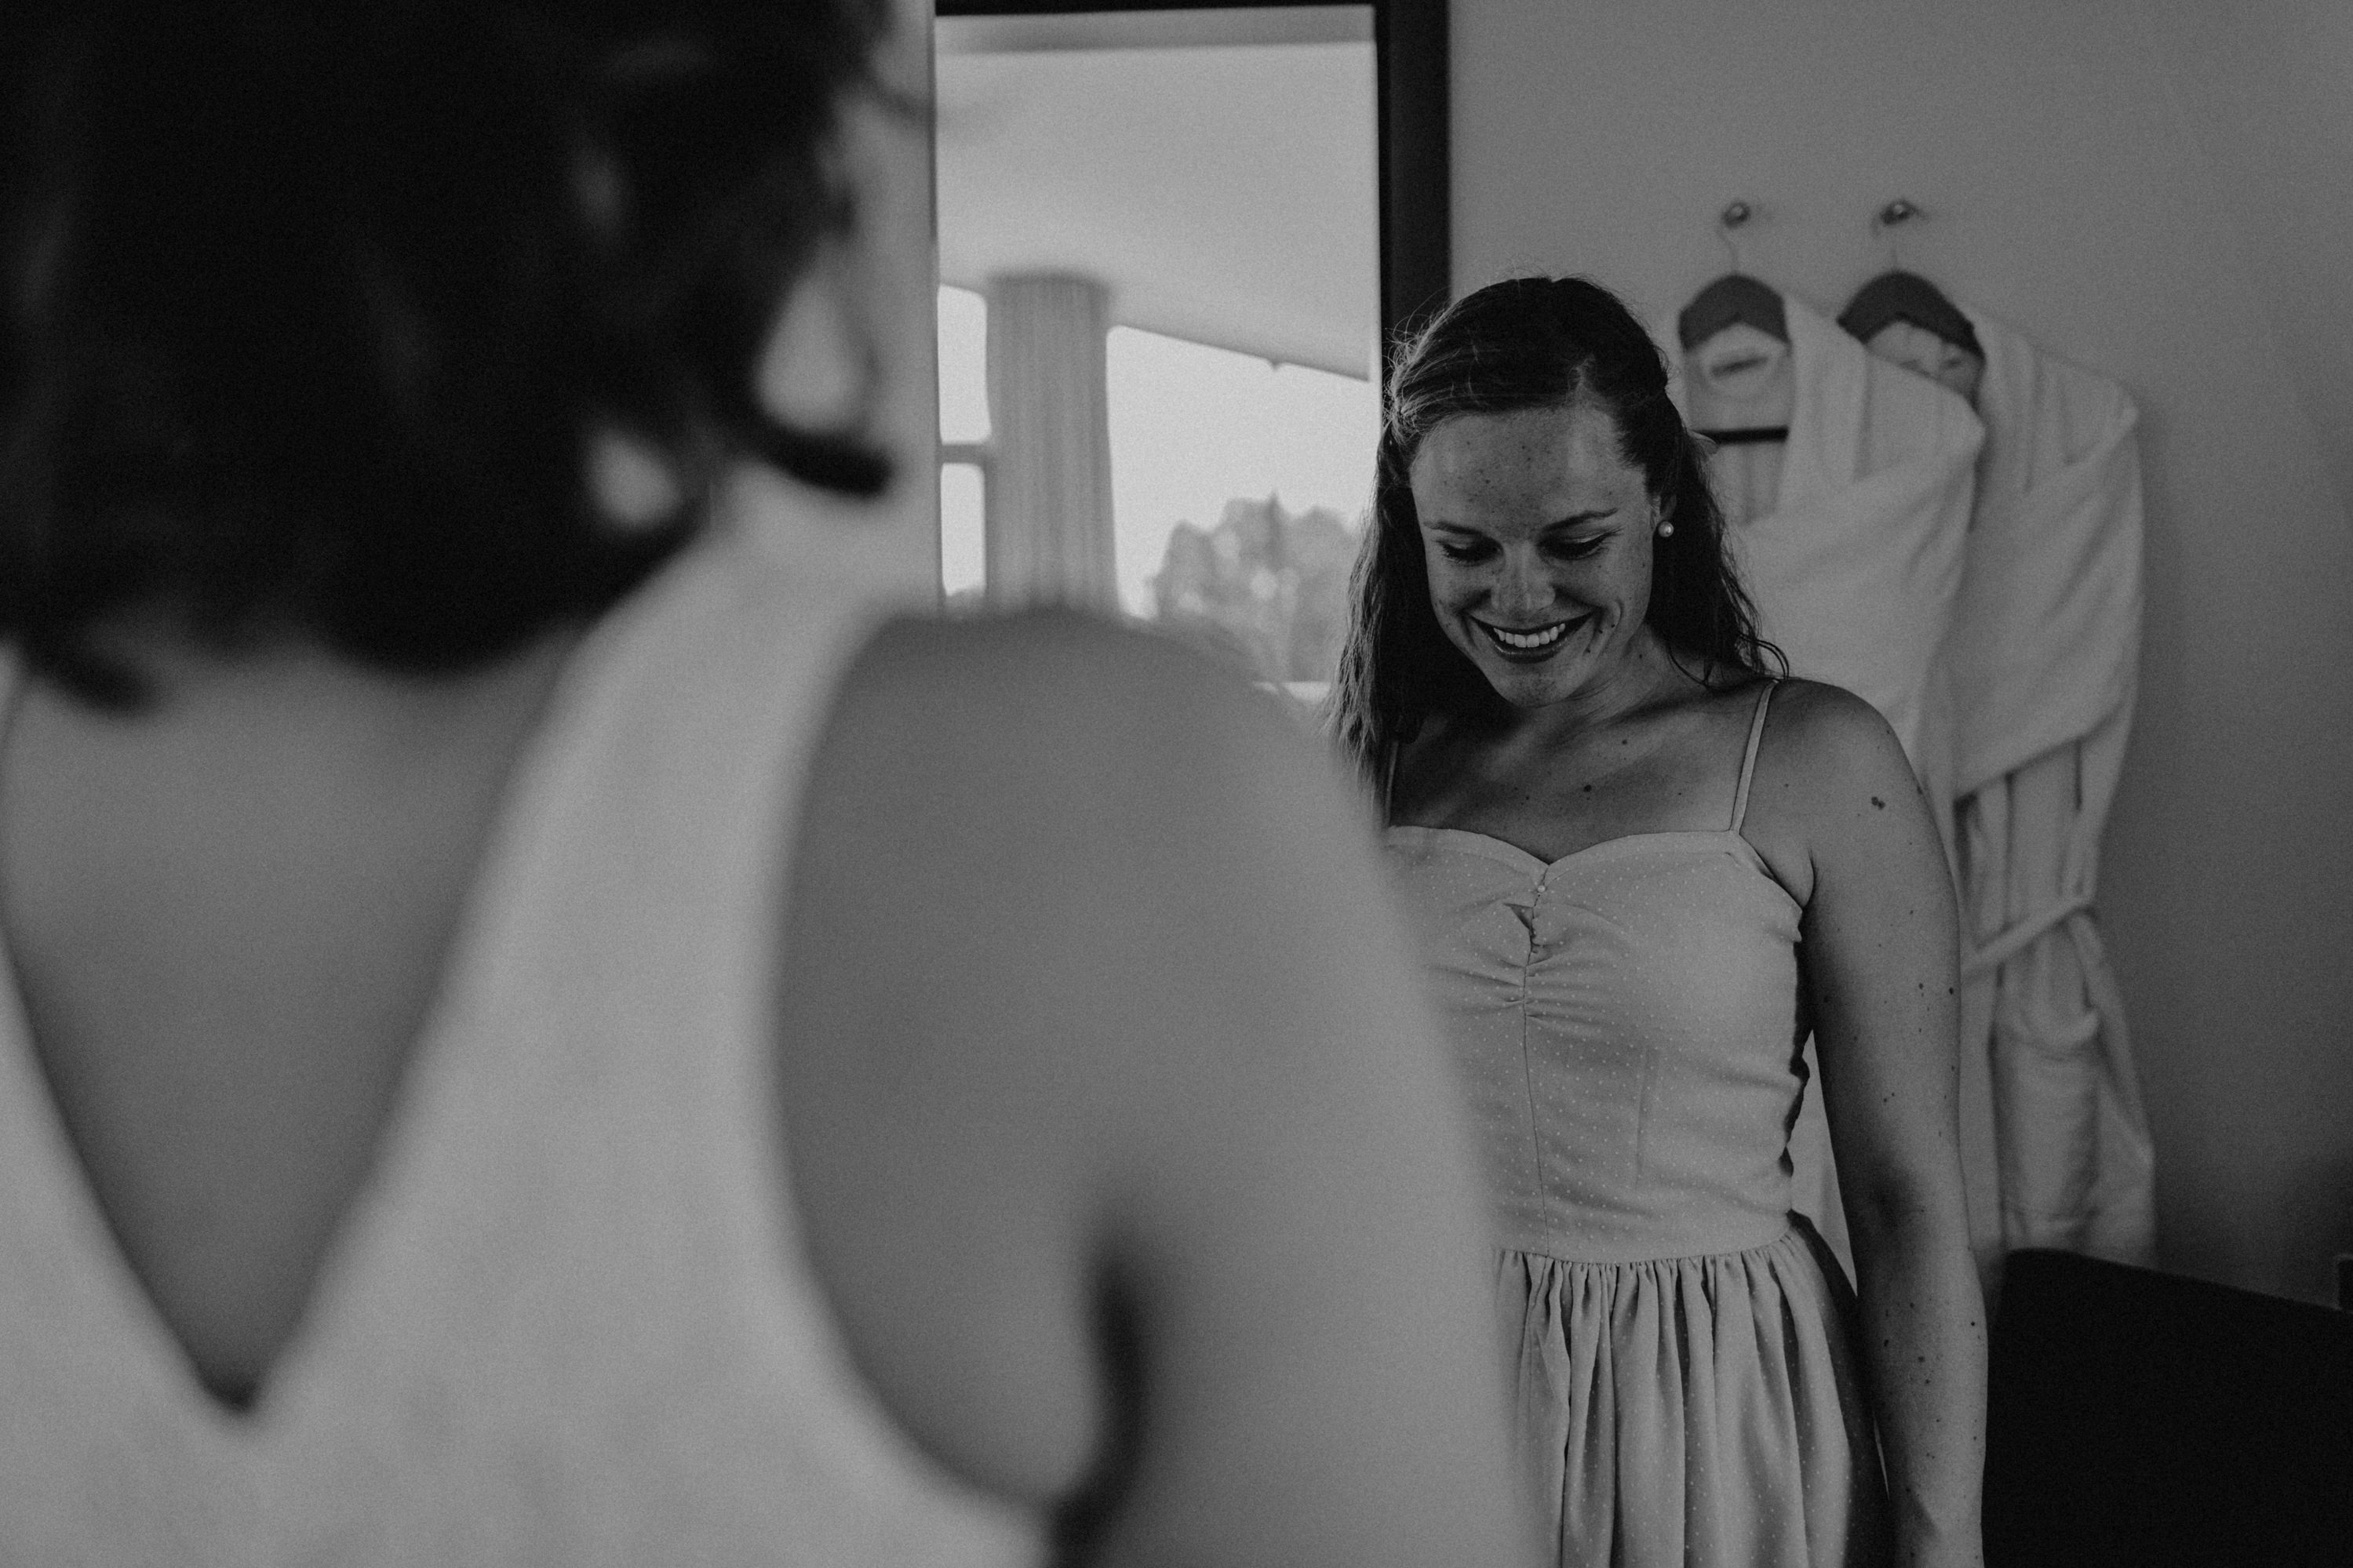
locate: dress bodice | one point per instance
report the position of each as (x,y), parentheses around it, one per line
(1626,1024)
(1625,1021)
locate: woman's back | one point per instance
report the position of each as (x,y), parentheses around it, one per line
(560,1313)
(572,1308)
(203,905)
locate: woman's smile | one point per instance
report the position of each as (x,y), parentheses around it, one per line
(1529,644)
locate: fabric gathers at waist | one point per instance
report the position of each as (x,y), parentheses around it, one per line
(1678,1243)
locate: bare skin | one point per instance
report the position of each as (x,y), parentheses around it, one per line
(1163,964)
(1155,1097)
(1533,521)
(227,917)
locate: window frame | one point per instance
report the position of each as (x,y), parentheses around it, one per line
(1411,119)
(1409,53)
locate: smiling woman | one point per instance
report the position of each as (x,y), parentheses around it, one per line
(1533,528)
(1635,902)
(1491,378)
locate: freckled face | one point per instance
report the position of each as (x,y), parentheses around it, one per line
(1537,534)
(1917,349)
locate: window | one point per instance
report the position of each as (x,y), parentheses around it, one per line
(1181,234)
(1238,487)
(963,445)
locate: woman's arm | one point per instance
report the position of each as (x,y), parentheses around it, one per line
(1879,962)
(1114,1114)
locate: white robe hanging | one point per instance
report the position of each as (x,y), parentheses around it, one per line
(1855,572)
(2043,657)
(1856,569)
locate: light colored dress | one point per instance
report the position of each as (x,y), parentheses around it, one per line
(568,1320)
(1626,1022)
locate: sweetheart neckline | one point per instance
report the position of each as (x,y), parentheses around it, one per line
(1534,859)
(1526,858)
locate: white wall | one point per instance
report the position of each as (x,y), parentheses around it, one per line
(2155,190)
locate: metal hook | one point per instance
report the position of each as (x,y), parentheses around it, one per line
(1733,216)
(1891,217)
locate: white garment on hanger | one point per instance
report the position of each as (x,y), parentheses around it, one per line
(1856,569)
(2044,655)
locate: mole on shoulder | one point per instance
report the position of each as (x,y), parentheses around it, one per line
(1878,803)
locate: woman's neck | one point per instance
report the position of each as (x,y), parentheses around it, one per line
(1640,679)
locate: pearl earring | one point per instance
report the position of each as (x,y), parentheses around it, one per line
(1666,530)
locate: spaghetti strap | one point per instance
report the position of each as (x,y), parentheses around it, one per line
(1388,780)
(1748,758)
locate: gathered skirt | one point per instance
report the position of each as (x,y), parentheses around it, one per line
(1706,1411)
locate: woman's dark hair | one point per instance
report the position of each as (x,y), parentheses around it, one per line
(1526,342)
(309,309)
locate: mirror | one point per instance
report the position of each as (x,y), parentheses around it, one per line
(1172,242)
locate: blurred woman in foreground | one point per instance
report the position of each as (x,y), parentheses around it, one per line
(532,1031)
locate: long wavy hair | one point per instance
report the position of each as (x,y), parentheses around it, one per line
(1527,342)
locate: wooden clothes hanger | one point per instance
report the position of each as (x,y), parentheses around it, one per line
(1898,295)
(1734,299)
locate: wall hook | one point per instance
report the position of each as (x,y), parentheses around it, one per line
(1894,217)
(1736,215)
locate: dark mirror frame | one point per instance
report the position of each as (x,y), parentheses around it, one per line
(1410,39)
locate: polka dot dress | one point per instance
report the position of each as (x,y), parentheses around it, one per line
(1626,1024)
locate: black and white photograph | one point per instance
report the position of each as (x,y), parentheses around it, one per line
(1086,784)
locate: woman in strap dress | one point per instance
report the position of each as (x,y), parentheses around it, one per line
(1642,870)
(533,1029)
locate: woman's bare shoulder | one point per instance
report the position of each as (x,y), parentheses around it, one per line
(1820,736)
(1831,776)
(1005,819)
(1053,790)
(1051,689)
(1089,975)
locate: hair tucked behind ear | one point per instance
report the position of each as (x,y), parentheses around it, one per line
(1526,342)
(311,308)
